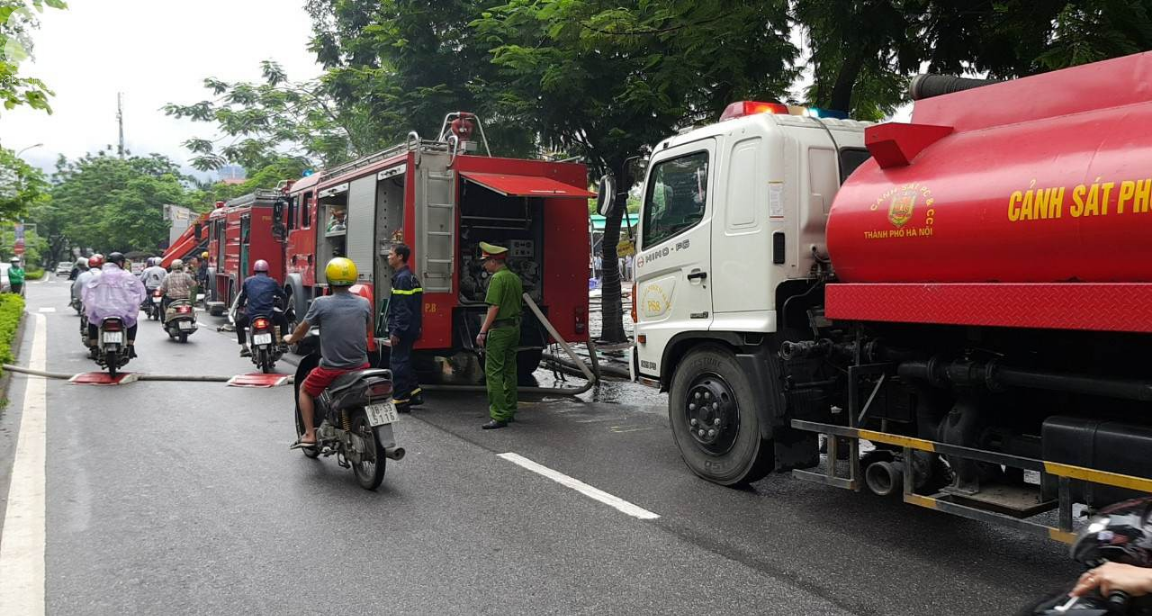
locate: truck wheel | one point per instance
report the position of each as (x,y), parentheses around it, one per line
(714,419)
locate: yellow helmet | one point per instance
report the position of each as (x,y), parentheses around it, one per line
(341,272)
(204,255)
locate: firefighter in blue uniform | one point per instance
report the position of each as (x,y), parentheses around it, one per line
(405,313)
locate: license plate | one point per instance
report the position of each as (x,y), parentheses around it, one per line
(381,414)
(262,339)
(185,325)
(113,338)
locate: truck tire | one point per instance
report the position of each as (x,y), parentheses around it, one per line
(714,421)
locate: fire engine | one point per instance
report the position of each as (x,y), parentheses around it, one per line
(240,232)
(443,197)
(967,293)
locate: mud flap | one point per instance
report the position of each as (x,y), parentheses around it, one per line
(793,448)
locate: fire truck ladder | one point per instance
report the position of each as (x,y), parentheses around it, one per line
(438,221)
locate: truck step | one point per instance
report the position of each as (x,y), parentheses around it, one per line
(1018,501)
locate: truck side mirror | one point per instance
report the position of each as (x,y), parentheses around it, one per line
(606,196)
(199,231)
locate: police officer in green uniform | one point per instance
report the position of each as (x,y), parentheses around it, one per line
(500,335)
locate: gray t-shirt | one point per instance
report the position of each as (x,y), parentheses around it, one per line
(343,319)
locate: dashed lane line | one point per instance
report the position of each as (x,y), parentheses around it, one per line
(581,487)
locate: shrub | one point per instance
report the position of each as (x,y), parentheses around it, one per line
(11,310)
(33,274)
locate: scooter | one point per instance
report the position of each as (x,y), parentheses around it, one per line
(354,421)
(112,345)
(152,305)
(77,305)
(266,345)
(180,320)
(1121,533)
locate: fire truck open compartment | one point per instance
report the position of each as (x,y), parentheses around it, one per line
(517,223)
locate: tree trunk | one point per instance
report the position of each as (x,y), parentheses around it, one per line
(845,82)
(611,309)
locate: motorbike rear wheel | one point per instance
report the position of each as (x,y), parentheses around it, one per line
(113,363)
(370,470)
(183,338)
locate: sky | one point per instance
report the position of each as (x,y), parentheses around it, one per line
(155,52)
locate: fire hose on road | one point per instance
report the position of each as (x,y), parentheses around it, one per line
(562,391)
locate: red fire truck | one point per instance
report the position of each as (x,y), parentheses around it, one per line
(189,244)
(240,232)
(443,198)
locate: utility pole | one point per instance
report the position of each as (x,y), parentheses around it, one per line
(120,120)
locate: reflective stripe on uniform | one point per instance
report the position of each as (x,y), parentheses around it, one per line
(409,292)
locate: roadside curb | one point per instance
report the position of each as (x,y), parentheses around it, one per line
(17,344)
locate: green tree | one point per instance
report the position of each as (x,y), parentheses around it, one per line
(269,176)
(22,186)
(610,79)
(17,21)
(110,203)
(263,122)
(35,247)
(385,63)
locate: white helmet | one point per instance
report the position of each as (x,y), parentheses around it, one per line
(178,264)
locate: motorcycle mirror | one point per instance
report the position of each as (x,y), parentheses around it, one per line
(606,196)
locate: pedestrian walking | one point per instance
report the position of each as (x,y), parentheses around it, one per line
(500,335)
(405,320)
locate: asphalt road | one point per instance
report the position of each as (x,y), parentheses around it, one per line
(183,498)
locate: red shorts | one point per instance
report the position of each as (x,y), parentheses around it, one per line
(320,378)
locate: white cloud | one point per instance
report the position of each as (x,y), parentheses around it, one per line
(155,52)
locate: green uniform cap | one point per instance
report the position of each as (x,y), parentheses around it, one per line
(492,250)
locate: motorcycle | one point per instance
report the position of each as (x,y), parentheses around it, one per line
(112,345)
(180,320)
(1121,533)
(354,421)
(77,305)
(151,305)
(266,345)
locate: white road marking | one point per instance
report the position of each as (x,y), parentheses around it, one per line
(48,309)
(581,487)
(22,544)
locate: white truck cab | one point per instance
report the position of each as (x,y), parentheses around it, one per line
(732,215)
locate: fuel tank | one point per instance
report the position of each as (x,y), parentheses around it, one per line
(1041,179)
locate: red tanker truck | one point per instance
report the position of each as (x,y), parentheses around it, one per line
(959,305)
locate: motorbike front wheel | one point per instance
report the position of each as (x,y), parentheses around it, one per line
(370,470)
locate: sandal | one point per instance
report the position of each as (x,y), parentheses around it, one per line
(303,445)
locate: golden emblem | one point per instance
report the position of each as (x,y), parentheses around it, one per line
(903,204)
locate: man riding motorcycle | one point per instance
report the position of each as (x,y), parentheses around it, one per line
(153,275)
(177,285)
(345,320)
(115,292)
(257,298)
(82,268)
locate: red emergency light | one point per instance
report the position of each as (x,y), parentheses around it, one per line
(740,109)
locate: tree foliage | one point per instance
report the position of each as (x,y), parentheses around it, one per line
(22,186)
(17,21)
(108,203)
(262,123)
